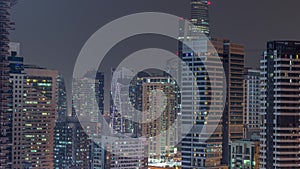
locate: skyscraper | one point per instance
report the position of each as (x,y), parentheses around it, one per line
(232,56)
(202,145)
(159,102)
(62,134)
(86,121)
(17,77)
(200,15)
(280,70)
(121,111)
(63,144)
(201,148)
(62,107)
(97,153)
(81,145)
(72,145)
(231,123)
(85,104)
(40,102)
(99,88)
(252,103)
(136,99)
(5,89)
(89,106)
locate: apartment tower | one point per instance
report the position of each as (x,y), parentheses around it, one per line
(5,89)
(280,138)
(232,56)
(251,103)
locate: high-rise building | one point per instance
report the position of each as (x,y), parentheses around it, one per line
(121,111)
(200,15)
(63,145)
(201,147)
(81,145)
(231,123)
(99,88)
(280,70)
(252,103)
(159,107)
(85,104)
(244,154)
(28,91)
(62,104)
(5,88)
(232,56)
(136,99)
(89,105)
(97,153)
(17,77)
(72,145)
(40,103)
(62,134)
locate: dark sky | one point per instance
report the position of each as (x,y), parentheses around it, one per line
(52,32)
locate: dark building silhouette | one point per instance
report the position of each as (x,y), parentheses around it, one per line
(5,88)
(232,56)
(280,70)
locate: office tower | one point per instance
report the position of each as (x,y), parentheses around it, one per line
(83,91)
(244,154)
(62,135)
(39,119)
(100,92)
(63,145)
(121,111)
(75,143)
(280,70)
(136,99)
(126,153)
(201,147)
(159,107)
(232,56)
(251,103)
(62,104)
(81,143)
(99,87)
(72,145)
(200,15)
(5,88)
(97,153)
(85,102)
(89,105)
(17,77)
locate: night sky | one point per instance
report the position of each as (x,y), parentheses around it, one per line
(52,32)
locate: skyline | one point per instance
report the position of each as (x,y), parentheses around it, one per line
(64,27)
(208,110)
